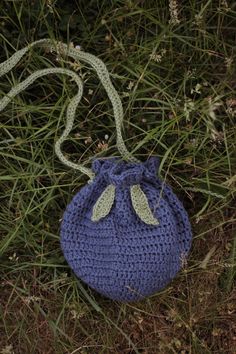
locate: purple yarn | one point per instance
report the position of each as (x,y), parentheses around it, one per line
(120,256)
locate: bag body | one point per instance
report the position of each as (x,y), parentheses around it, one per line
(121,256)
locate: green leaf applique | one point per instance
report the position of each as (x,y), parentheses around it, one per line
(141,206)
(104,203)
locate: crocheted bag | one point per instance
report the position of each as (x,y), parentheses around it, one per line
(125,233)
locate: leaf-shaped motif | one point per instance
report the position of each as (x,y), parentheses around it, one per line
(104,203)
(141,206)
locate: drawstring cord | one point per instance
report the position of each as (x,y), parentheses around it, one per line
(102,72)
(105,202)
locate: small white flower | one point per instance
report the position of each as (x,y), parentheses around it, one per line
(131,85)
(76,315)
(88,140)
(174,16)
(198,20)
(197,89)
(13,257)
(155,57)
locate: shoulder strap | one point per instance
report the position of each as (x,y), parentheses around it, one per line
(78,55)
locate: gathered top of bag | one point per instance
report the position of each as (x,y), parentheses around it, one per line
(125,233)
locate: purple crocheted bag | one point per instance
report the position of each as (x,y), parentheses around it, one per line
(121,256)
(125,233)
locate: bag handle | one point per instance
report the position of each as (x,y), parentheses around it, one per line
(102,72)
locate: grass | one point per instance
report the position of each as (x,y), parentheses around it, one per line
(177,84)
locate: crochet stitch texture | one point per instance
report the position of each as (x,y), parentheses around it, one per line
(120,256)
